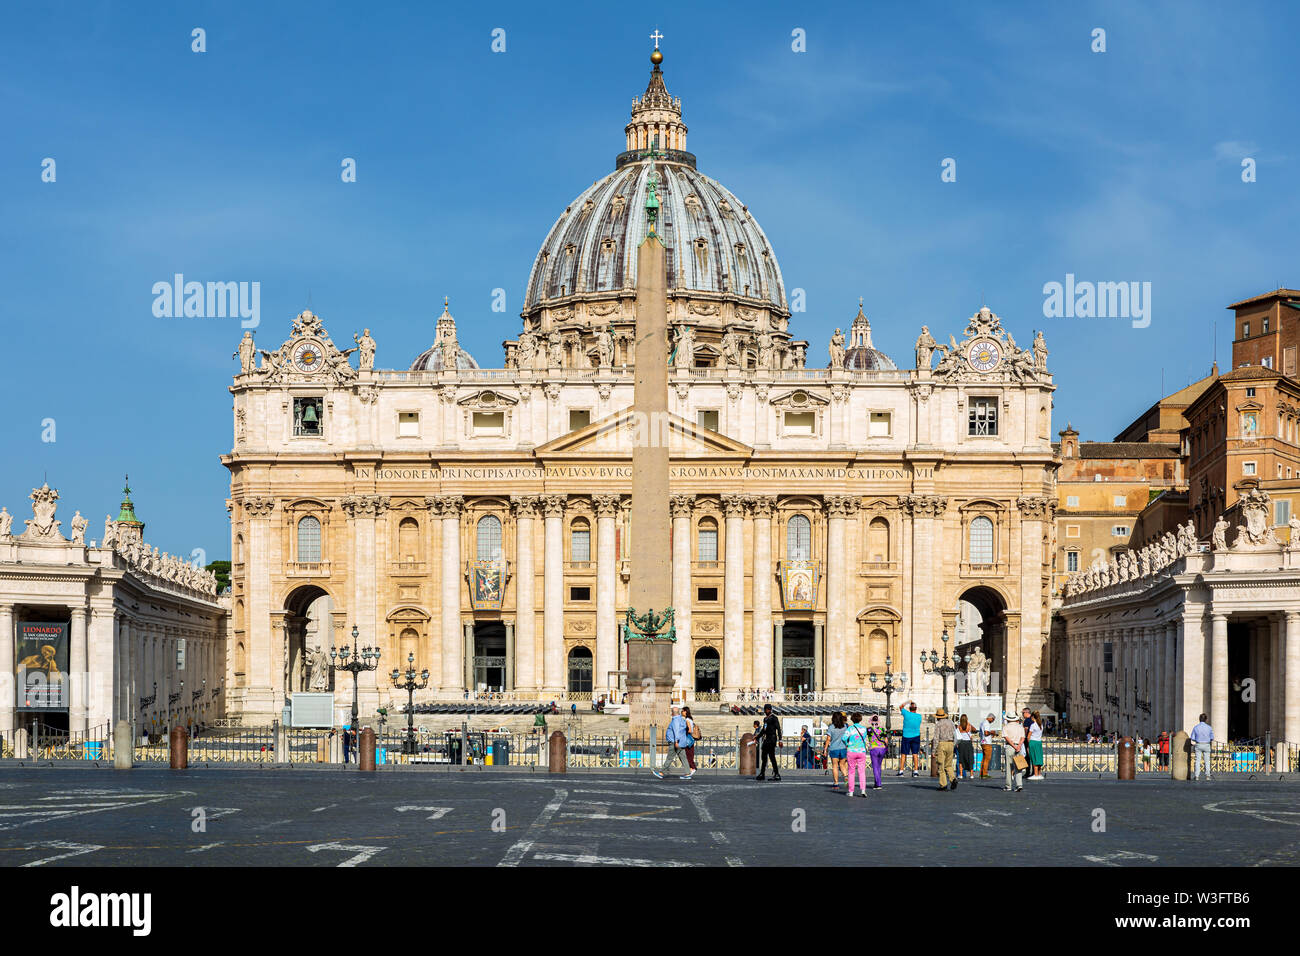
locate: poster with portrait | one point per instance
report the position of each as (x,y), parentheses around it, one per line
(41,665)
(799,584)
(487,585)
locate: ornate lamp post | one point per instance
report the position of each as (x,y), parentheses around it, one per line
(892,682)
(354,661)
(943,666)
(408,683)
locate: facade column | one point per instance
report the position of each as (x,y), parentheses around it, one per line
(468,657)
(1263,678)
(838,510)
(79,673)
(1193,666)
(510,656)
(680,507)
(733,596)
(8,687)
(258,692)
(819,657)
(1291,689)
(553,596)
(1168,671)
(449,507)
(606,657)
(1277,673)
(525,509)
(1219,677)
(778,655)
(762,666)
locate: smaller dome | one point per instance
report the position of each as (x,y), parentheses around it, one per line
(433,359)
(860,354)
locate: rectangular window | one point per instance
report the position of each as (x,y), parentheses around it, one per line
(707,418)
(489,423)
(983,417)
(1072,531)
(1108,659)
(1120,530)
(1289,361)
(579,418)
(1282,512)
(1250,393)
(706,594)
(880,424)
(580,546)
(1072,501)
(1072,560)
(1247,467)
(408,424)
(1266,323)
(1267,361)
(308,417)
(579,594)
(1121,501)
(708,544)
(800,423)
(1245,330)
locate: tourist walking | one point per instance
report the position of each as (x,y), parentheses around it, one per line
(988,734)
(693,730)
(1013,738)
(1036,746)
(965,748)
(1163,747)
(1202,737)
(945,733)
(770,738)
(680,739)
(910,744)
(834,750)
(879,747)
(856,743)
(804,759)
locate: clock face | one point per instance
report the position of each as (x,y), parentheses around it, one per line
(984,355)
(308,356)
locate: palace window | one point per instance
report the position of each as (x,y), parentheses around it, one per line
(983,417)
(309,539)
(707,540)
(580,542)
(880,424)
(981,541)
(580,594)
(1120,530)
(308,417)
(1247,467)
(1245,330)
(798,539)
(579,418)
(408,424)
(1072,560)
(489,423)
(1282,512)
(489,538)
(707,418)
(705,595)
(800,423)
(1072,501)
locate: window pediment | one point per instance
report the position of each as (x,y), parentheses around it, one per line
(800,398)
(488,399)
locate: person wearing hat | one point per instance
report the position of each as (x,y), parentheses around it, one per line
(987,735)
(945,734)
(1013,738)
(879,747)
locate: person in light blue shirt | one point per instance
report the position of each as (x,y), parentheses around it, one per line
(677,734)
(1202,737)
(911,742)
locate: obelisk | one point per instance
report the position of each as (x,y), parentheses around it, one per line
(648,632)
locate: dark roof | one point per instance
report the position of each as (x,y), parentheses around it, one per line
(1127,449)
(1247,372)
(1275,294)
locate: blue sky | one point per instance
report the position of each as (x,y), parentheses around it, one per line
(1115,166)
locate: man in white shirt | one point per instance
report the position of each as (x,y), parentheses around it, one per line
(1202,737)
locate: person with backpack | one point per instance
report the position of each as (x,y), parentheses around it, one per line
(834,750)
(693,730)
(770,738)
(856,744)
(680,738)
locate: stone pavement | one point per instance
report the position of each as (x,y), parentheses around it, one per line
(311,817)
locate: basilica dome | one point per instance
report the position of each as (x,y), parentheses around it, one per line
(861,354)
(436,357)
(722,274)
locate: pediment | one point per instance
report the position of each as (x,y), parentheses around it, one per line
(791,399)
(488,398)
(617,435)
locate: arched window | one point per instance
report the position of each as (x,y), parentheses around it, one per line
(580,670)
(798,539)
(878,540)
(241,665)
(981,541)
(580,542)
(239,549)
(408,540)
(309,539)
(877,650)
(409,643)
(489,538)
(707,540)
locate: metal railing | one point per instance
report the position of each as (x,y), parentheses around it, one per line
(50,743)
(230,745)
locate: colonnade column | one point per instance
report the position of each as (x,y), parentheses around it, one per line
(510,656)
(553,596)
(1193,666)
(79,673)
(450,507)
(680,507)
(778,655)
(1169,670)
(762,507)
(1219,677)
(525,509)
(733,595)
(1277,673)
(838,509)
(467,657)
(606,657)
(8,688)
(1291,691)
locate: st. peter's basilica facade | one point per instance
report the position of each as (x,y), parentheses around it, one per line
(823,519)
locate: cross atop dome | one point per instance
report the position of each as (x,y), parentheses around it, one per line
(656,113)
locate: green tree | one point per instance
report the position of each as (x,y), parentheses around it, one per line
(222,570)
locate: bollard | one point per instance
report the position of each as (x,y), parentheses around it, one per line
(1282,758)
(1180,756)
(123,746)
(282,744)
(558,758)
(367,746)
(748,759)
(20,744)
(322,751)
(179,743)
(1125,759)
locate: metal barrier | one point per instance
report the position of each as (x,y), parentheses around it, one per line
(225,745)
(302,744)
(1244,756)
(50,743)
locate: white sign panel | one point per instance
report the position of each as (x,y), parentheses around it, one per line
(311,709)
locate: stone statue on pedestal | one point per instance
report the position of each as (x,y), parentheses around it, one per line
(925,345)
(78,529)
(367,347)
